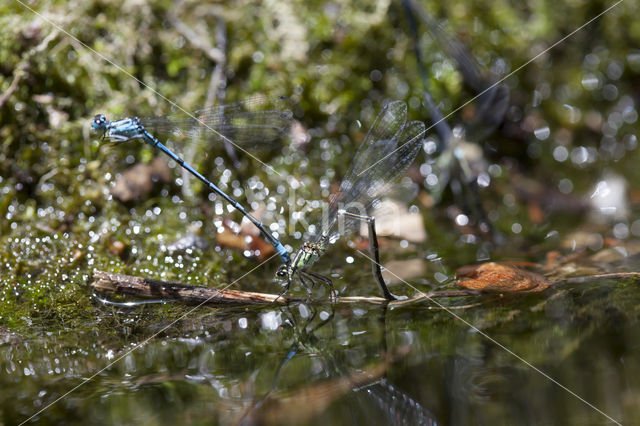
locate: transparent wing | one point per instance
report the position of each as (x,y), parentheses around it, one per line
(492,103)
(387,152)
(493,99)
(386,127)
(253,123)
(398,407)
(491,108)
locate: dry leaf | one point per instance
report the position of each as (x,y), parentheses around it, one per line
(580,240)
(536,215)
(501,278)
(469,269)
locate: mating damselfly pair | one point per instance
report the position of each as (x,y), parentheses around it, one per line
(389,148)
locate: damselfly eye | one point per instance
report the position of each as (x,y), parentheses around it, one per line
(282,271)
(99,122)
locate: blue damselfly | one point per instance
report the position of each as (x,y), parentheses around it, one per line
(240,123)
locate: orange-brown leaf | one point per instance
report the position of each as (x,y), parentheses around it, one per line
(496,277)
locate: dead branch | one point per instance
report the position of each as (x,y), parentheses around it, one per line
(218,83)
(106,282)
(23,67)
(589,278)
(127,285)
(199,42)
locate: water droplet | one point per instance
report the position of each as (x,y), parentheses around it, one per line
(620,231)
(614,70)
(430,146)
(542,133)
(565,186)
(242,322)
(257,56)
(579,155)
(560,154)
(271,320)
(629,115)
(304,310)
(440,277)
(633,59)
(495,170)
(462,220)
(484,180)
(610,92)
(590,82)
(573,113)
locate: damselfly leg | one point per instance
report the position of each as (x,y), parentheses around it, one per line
(308,281)
(325,280)
(374,251)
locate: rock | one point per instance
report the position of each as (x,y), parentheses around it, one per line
(9,337)
(393,219)
(138,181)
(396,271)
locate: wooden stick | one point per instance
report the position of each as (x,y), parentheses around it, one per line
(588,278)
(107,282)
(23,66)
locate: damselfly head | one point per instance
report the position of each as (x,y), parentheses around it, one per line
(99,123)
(282,271)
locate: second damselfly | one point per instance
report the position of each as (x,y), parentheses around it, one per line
(389,148)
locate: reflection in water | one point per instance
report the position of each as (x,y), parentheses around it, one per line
(328,364)
(396,406)
(301,403)
(131,303)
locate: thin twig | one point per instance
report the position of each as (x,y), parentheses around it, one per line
(201,43)
(218,79)
(588,278)
(22,68)
(435,294)
(218,83)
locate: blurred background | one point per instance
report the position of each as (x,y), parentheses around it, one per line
(542,168)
